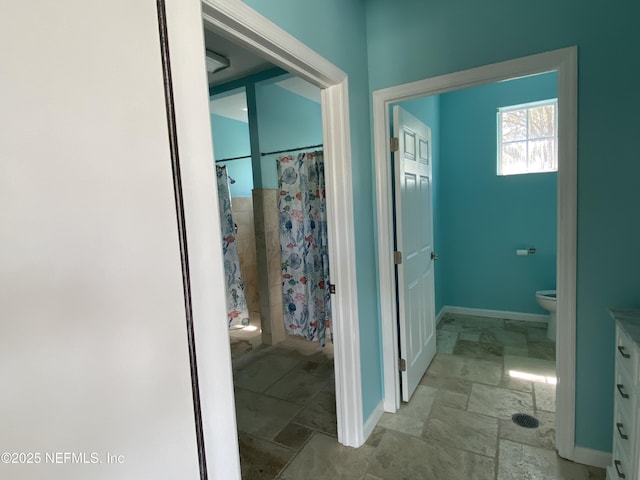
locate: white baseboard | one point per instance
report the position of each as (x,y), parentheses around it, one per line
(441,314)
(595,458)
(373,420)
(480,312)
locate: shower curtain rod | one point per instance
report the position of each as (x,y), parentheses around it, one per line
(291,150)
(232,158)
(270,153)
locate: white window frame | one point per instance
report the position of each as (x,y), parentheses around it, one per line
(500,142)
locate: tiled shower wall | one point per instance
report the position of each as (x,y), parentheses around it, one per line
(242,211)
(259,249)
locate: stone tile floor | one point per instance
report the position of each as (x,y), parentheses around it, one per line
(456,426)
(245,339)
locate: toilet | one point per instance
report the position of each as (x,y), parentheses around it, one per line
(547,300)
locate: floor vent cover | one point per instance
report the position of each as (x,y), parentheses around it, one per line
(524,420)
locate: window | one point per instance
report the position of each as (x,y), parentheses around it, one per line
(528,138)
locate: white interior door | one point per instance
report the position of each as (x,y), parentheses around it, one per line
(414,237)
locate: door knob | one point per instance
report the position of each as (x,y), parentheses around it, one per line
(434,256)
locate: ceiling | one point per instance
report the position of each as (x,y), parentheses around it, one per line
(243,62)
(231,106)
(301,87)
(234,104)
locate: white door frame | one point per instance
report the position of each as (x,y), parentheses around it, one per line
(238,22)
(565,62)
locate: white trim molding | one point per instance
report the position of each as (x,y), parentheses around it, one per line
(373,419)
(567,251)
(595,458)
(246,27)
(241,24)
(564,61)
(503,314)
(346,332)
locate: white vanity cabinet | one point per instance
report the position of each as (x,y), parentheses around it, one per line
(626,418)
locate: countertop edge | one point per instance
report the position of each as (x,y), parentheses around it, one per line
(629,321)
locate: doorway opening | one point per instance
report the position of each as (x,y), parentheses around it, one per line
(564,63)
(276,267)
(272,198)
(246,28)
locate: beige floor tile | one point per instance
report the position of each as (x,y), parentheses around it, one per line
(506,338)
(544,436)
(596,473)
(546,418)
(297,386)
(260,374)
(301,346)
(518,351)
(401,423)
(319,369)
(452,399)
(499,402)
(446,340)
(261,415)
(293,435)
(376,436)
(465,430)
(240,347)
(517,325)
(411,417)
(471,322)
(514,383)
(518,461)
(545,396)
(538,334)
(470,336)
(330,386)
(323,458)
(532,367)
(301,351)
(478,350)
(260,459)
(457,425)
(471,369)
(543,350)
(401,456)
(444,383)
(420,404)
(320,414)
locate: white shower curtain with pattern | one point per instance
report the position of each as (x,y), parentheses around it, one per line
(304,246)
(238,312)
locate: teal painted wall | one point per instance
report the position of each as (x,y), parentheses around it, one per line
(460,34)
(428,110)
(285,120)
(484,217)
(246,172)
(480,219)
(337,31)
(231,139)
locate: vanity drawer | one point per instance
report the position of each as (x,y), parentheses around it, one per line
(624,432)
(626,353)
(625,393)
(620,467)
(625,460)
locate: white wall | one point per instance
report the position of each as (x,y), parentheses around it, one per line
(93,348)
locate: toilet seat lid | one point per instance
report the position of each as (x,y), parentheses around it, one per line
(546,293)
